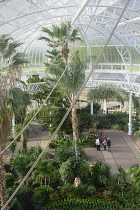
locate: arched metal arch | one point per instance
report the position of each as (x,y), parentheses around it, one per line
(123,50)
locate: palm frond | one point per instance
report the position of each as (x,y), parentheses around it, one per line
(44,38)
(11,49)
(48,31)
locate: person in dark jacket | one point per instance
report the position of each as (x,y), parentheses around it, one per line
(108,144)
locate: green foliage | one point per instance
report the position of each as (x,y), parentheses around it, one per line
(18,99)
(74,167)
(73,77)
(12,147)
(137,133)
(22,199)
(63,153)
(86,120)
(87,141)
(60,142)
(136,127)
(106,91)
(82,204)
(21,163)
(24,145)
(41,196)
(134,172)
(9,179)
(46,172)
(117,118)
(82,191)
(100,174)
(24,196)
(34,79)
(86,109)
(55,118)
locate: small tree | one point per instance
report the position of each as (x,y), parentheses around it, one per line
(10,99)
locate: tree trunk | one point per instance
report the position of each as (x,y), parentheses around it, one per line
(75,127)
(2,184)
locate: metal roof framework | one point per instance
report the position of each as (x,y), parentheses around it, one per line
(24,19)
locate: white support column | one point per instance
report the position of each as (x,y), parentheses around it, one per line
(130,115)
(35,104)
(91,107)
(13,127)
(105,107)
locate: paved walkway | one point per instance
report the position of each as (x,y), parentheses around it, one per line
(125,150)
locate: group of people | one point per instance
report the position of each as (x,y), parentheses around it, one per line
(106,143)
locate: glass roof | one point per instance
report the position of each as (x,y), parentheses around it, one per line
(24,19)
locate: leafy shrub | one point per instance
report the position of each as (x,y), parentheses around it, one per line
(100,174)
(79,203)
(117,118)
(9,179)
(137,134)
(63,153)
(56,143)
(115,127)
(86,141)
(74,167)
(21,163)
(41,196)
(12,147)
(82,191)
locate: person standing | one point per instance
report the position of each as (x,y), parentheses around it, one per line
(105,143)
(109,144)
(98,144)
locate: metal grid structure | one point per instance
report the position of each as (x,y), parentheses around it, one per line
(24,19)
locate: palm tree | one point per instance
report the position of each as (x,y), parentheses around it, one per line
(61,36)
(74,76)
(45,170)
(106,92)
(70,85)
(10,96)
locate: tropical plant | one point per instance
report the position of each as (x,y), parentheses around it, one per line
(12,147)
(70,85)
(64,152)
(10,68)
(61,36)
(88,204)
(72,168)
(22,199)
(81,191)
(100,174)
(46,172)
(119,119)
(134,172)
(41,196)
(9,179)
(106,92)
(21,163)
(74,76)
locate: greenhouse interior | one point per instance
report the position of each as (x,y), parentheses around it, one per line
(70,104)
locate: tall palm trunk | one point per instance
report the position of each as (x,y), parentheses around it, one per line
(65,52)
(2,184)
(75,127)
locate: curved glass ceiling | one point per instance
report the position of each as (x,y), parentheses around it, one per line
(24,19)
